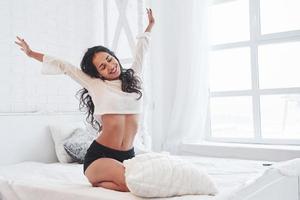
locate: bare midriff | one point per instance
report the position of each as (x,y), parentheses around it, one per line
(118,130)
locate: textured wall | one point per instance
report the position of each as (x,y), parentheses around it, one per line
(61,28)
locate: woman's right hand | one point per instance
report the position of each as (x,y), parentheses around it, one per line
(24,46)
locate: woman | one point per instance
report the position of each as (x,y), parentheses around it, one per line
(112,95)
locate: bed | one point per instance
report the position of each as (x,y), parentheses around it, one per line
(236,179)
(34,169)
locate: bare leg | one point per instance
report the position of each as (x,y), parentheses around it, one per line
(113,178)
(112,186)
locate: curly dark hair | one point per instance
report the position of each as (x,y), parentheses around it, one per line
(130,82)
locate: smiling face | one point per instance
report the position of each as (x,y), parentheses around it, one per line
(107,66)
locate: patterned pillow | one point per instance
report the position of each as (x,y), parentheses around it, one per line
(77,143)
(59,132)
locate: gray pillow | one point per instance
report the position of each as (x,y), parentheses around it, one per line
(77,143)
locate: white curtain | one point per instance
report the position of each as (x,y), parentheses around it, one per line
(179,63)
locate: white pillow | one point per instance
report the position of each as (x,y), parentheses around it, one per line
(163,175)
(59,132)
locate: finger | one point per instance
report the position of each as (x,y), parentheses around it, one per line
(19,38)
(21,45)
(21,41)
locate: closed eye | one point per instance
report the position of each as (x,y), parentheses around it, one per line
(102,66)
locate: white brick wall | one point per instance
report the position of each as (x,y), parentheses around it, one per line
(63,28)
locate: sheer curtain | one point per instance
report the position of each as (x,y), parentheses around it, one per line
(179,64)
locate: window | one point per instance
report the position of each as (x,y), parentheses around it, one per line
(255,71)
(123,20)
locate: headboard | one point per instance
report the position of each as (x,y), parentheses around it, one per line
(26,137)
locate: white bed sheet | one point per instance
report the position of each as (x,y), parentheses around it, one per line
(40,181)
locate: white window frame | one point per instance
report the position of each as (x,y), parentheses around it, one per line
(122,23)
(256,39)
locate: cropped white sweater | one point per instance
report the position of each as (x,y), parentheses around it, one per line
(107,96)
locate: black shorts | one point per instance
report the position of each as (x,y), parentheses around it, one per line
(97,150)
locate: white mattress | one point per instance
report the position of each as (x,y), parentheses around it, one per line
(36,181)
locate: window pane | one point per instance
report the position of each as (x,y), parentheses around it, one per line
(230,69)
(229,21)
(132,16)
(279,65)
(279,15)
(231,117)
(280,116)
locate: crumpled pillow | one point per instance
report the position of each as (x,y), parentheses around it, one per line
(59,132)
(163,175)
(77,143)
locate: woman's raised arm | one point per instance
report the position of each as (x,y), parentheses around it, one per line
(142,45)
(53,65)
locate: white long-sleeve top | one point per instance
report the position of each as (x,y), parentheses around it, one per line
(107,96)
